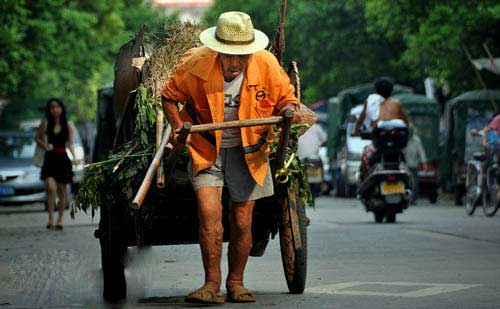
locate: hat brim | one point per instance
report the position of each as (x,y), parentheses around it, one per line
(207,37)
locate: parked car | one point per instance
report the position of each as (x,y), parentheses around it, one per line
(19,178)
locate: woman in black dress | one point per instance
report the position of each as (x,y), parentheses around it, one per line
(54,134)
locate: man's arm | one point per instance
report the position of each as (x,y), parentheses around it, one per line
(484,140)
(360,121)
(171,110)
(39,137)
(402,114)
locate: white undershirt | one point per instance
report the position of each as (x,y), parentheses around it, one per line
(232,89)
(372,109)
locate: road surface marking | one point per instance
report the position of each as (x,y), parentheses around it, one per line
(421,289)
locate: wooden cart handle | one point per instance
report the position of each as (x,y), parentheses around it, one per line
(284,138)
(233,124)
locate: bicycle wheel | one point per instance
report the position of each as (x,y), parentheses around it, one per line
(471,187)
(490,195)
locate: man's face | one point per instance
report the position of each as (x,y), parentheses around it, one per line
(232,65)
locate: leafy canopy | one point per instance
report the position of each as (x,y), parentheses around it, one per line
(66,49)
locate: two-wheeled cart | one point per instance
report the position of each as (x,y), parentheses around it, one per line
(168,216)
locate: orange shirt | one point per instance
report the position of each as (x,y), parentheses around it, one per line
(199,85)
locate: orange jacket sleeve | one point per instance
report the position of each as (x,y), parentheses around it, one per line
(176,88)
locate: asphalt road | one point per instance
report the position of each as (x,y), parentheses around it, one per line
(433,257)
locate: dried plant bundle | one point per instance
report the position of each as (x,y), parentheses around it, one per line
(166,55)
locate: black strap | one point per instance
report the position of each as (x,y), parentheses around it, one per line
(206,135)
(256,147)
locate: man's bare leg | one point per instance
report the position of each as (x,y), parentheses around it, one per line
(240,242)
(210,234)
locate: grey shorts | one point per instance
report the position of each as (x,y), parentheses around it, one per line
(230,170)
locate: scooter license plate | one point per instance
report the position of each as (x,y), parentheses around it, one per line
(314,175)
(387,188)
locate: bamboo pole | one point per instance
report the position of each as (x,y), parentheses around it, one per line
(233,124)
(160,172)
(146,182)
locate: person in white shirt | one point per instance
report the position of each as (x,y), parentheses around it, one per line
(310,142)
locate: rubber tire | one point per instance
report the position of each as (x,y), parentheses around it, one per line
(459,194)
(433,196)
(378,216)
(490,211)
(470,206)
(390,216)
(295,281)
(113,252)
(113,268)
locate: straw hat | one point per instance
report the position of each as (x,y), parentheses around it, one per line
(234,35)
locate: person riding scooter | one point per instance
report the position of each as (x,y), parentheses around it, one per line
(378,107)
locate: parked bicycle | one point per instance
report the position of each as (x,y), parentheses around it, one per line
(483,180)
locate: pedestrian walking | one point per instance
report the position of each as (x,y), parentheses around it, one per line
(54,134)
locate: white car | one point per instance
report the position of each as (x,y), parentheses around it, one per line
(19,178)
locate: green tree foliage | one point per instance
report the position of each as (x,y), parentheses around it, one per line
(435,33)
(329,40)
(62,48)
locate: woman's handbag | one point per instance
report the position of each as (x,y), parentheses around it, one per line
(39,156)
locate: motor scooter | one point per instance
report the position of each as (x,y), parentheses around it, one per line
(387,187)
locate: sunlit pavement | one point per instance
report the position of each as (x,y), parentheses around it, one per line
(435,256)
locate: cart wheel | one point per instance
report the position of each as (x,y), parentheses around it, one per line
(113,250)
(294,261)
(115,286)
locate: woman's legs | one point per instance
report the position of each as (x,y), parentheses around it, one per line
(62,192)
(50,200)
